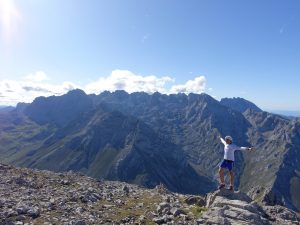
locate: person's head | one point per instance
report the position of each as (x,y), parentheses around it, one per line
(228,139)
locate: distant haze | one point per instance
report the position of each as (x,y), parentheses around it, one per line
(286,112)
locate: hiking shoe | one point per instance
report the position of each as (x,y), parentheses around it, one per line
(221,186)
(231,188)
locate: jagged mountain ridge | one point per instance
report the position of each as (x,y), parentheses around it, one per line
(117,147)
(193,124)
(192,121)
(59,110)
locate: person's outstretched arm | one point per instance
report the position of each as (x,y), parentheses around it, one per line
(242,148)
(223,141)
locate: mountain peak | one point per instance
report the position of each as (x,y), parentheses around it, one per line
(76,92)
(59,110)
(239,104)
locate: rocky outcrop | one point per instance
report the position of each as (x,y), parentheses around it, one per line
(29,197)
(227,207)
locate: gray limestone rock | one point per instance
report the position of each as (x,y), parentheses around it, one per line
(34,212)
(80,222)
(105,201)
(197,200)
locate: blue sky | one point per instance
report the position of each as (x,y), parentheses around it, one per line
(246,49)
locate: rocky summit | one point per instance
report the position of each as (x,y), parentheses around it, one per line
(31,196)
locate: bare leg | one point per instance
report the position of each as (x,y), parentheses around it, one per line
(231,173)
(221,174)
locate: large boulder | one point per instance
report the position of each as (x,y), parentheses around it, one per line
(228,207)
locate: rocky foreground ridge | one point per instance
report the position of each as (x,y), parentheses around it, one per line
(42,197)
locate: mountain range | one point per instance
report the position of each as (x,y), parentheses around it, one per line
(150,139)
(6,108)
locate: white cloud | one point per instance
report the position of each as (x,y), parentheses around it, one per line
(27,89)
(37,76)
(38,84)
(191,86)
(128,81)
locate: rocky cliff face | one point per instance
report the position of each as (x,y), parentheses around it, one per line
(59,110)
(276,159)
(43,197)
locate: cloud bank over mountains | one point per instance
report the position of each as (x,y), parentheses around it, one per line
(128,81)
(39,84)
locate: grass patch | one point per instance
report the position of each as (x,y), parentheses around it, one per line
(20,139)
(103,162)
(130,208)
(197,210)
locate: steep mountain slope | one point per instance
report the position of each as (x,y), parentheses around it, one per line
(117,147)
(19,134)
(276,160)
(193,122)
